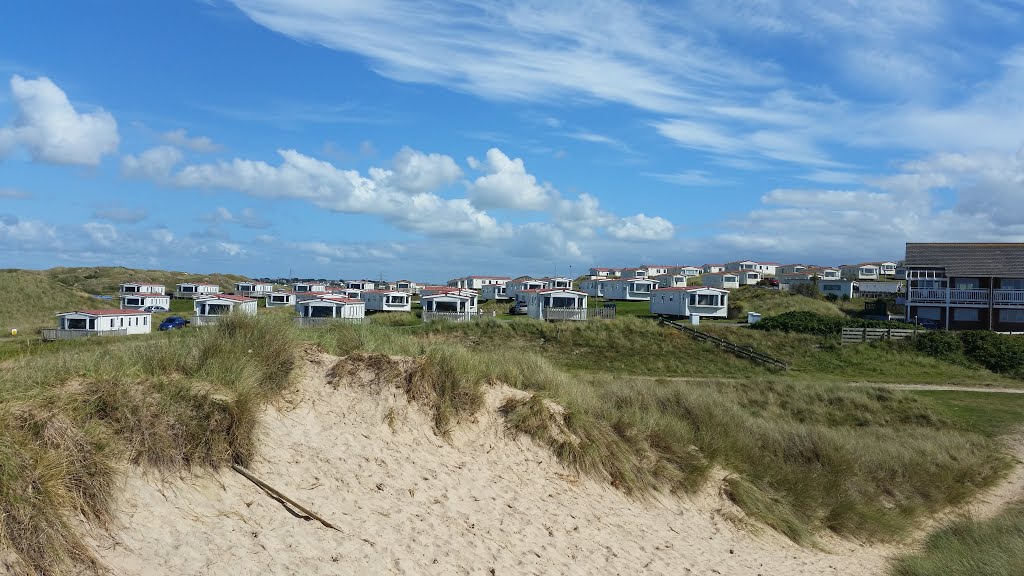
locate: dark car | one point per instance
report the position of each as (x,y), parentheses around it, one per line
(172,323)
(154,309)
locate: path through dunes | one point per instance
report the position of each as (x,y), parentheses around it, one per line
(406,501)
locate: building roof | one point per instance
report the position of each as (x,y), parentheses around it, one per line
(381,292)
(234,297)
(735,272)
(467,294)
(106,312)
(338,299)
(199,284)
(141,284)
(145,295)
(490,277)
(969,259)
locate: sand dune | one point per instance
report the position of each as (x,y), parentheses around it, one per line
(407,502)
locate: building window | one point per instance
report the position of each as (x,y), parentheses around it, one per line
(1011,316)
(1012,283)
(928,313)
(965,314)
(967,283)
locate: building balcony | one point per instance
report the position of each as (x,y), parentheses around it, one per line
(1008,297)
(966,297)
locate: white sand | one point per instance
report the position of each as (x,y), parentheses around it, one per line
(407,502)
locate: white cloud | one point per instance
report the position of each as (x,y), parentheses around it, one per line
(350,252)
(642,228)
(104,235)
(230,248)
(417,172)
(13,194)
(507,184)
(122,214)
(181,139)
(246,217)
(15,232)
(52,131)
(153,164)
(162,235)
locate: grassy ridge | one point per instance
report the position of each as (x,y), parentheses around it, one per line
(72,417)
(967,547)
(29,300)
(105,279)
(804,457)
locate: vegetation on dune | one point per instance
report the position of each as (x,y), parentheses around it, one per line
(968,547)
(106,279)
(26,314)
(807,322)
(71,418)
(769,302)
(802,457)
(999,353)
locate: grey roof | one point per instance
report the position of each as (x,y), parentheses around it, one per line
(962,259)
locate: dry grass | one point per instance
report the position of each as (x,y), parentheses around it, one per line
(72,419)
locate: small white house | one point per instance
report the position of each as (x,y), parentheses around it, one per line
(329,307)
(629,289)
(454,305)
(559,282)
(212,307)
(791,269)
(670,280)
(604,272)
(887,268)
(634,273)
(477,282)
(309,287)
(658,269)
(840,288)
(407,286)
(690,301)
(557,304)
(713,268)
(595,286)
(512,287)
(194,290)
(141,300)
(765,268)
(359,285)
(746,277)
(724,280)
(279,299)
(494,292)
(386,301)
(142,288)
(690,271)
(350,293)
(100,323)
(253,289)
(863,271)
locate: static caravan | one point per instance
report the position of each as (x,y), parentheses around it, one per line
(455,305)
(329,307)
(713,268)
(634,273)
(253,289)
(865,271)
(210,308)
(725,280)
(140,300)
(670,280)
(350,293)
(746,277)
(279,299)
(407,286)
(557,304)
(513,287)
(887,268)
(658,269)
(494,292)
(629,289)
(309,287)
(104,322)
(691,301)
(595,287)
(477,282)
(559,282)
(359,285)
(386,301)
(193,290)
(604,272)
(765,268)
(142,288)
(840,288)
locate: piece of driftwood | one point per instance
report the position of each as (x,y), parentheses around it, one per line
(277,494)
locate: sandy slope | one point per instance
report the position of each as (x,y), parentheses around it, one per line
(407,502)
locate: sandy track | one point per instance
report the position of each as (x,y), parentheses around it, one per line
(406,502)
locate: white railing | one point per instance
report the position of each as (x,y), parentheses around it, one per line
(304,322)
(927,295)
(1008,297)
(939,295)
(429,316)
(968,296)
(564,313)
(51,334)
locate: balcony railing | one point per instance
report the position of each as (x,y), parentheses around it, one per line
(305,322)
(1008,297)
(51,334)
(941,296)
(429,316)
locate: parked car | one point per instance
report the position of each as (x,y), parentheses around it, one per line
(173,322)
(517,308)
(154,309)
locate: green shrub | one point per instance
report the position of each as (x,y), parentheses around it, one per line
(997,352)
(813,323)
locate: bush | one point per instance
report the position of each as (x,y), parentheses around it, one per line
(809,290)
(997,352)
(813,323)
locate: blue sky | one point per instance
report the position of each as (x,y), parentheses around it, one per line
(430,140)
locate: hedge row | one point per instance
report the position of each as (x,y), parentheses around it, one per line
(997,352)
(813,323)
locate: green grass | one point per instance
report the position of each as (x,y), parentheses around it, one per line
(772,302)
(72,415)
(105,280)
(29,301)
(988,413)
(967,547)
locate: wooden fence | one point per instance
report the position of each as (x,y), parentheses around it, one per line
(51,334)
(741,351)
(860,335)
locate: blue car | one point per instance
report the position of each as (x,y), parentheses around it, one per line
(172,323)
